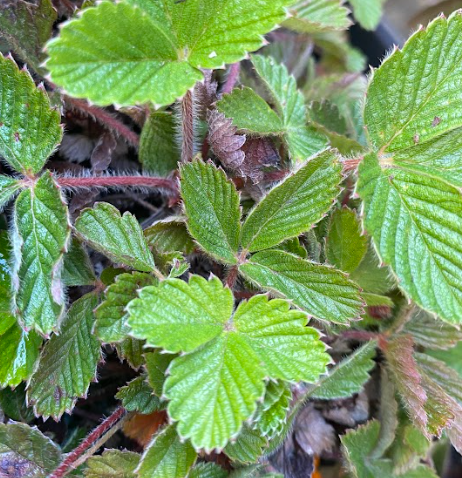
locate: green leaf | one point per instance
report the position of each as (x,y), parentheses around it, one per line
(302,141)
(159,153)
(248,446)
(323,292)
(110,316)
(131,350)
(27,27)
(207,470)
(156,367)
(293,206)
(5,280)
(13,404)
(452,358)
(112,464)
(8,189)
(312,16)
(250,112)
(166,456)
(118,237)
(30,131)
(430,332)
(346,246)
(415,221)
(368,12)
(212,206)
(67,364)
(138,397)
(77,267)
(169,236)
(27,452)
(41,234)
(19,352)
(116,53)
(224,348)
(271,414)
(348,377)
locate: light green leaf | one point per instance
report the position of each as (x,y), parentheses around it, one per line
(138,396)
(118,237)
(116,53)
(41,234)
(26,27)
(348,377)
(110,316)
(416,224)
(207,470)
(312,16)
(27,449)
(248,446)
(67,363)
(30,130)
(212,206)
(159,153)
(166,456)
(295,205)
(250,112)
(345,246)
(302,140)
(77,267)
(156,367)
(224,348)
(112,464)
(8,188)
(368,12)
(323,292)
(169,236)
(271,414)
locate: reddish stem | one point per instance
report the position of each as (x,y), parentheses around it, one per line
(231,278)
(106,119)
(233,76)
(119,181)
(187,127)
(99,431)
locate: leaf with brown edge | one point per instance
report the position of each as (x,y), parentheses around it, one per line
(408,380)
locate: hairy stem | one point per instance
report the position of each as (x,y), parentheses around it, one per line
(96,435)
(106,119)
(187,127)
(233,76)
(231,277)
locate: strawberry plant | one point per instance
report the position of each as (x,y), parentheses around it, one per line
(224,251)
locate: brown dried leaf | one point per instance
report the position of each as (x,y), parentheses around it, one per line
(101,156)
(141,428)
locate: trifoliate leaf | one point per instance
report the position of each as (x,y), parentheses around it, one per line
(323,292)
(346,246)
(248,446)
(156,367)
(250,112)
(415,221)
(165,44)
(312,16)
(110,324)
(368,12)
(41,230)
(348,377)
(302,141)
(212,206)
(271,414)
(8,188)
(19,352)
(27,452)
(167,456)
(138,397)
(207,470)
(169,236)
(30,129)
(430,332)
(27,27)
(131,350)
(159,153)
(411,194)
(240,348)
(293,206)
(112,464)
(67,364)
(118,237)
(408,380)
(77,267)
